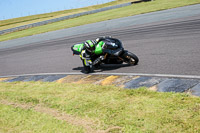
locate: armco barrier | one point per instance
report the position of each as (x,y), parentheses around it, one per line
(62,18)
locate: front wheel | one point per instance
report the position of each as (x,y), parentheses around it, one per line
(130,58)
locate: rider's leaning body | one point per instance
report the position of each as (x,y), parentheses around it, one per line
(93,51)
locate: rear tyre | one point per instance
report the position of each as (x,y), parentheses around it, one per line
(130,58)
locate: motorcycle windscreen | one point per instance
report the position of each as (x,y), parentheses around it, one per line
(77,48)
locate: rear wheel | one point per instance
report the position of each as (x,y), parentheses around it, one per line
(130,58)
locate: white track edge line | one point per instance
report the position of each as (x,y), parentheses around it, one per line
(119,74)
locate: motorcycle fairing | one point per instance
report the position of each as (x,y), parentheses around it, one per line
(98,49)
(77,48)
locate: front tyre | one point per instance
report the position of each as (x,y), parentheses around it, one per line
(130,58)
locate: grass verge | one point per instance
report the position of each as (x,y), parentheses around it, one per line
(42,107)
(102,16)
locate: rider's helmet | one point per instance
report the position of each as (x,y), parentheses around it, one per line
(90,45)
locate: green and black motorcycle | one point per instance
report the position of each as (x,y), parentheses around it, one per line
(110,49)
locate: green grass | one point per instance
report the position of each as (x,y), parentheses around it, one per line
(128,111)
(102,16)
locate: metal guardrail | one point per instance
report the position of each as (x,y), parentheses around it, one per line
(67,17)
(61,18)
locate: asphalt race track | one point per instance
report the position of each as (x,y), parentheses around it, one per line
(164,47)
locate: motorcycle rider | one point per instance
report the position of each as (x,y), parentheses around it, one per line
(94,49)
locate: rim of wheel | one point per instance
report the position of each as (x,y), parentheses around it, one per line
(132,61)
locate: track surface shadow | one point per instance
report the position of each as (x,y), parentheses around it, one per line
(104,67)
